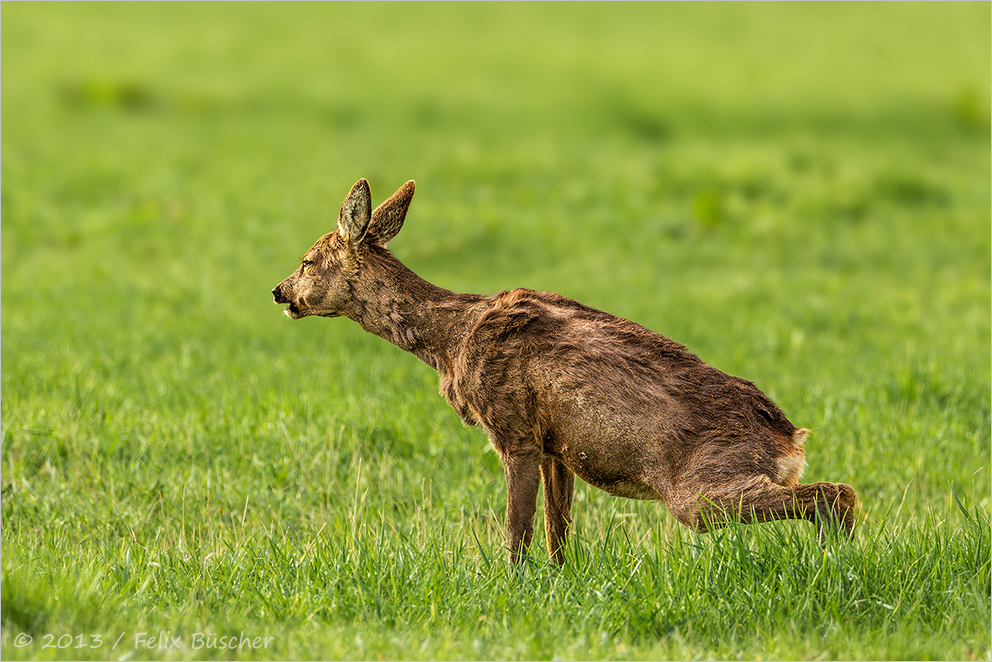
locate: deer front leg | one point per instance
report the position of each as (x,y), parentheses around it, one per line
(559,482)
(523,474)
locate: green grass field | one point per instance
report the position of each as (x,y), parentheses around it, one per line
(799,193)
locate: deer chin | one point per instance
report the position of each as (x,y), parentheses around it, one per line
(293,312)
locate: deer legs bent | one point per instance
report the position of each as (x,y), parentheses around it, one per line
(757,499)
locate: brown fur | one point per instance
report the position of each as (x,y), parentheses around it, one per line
(563,389)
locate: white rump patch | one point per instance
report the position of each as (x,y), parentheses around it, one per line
(791,466)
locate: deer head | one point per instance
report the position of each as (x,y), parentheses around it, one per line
(324,283)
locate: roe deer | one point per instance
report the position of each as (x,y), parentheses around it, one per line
(563,389)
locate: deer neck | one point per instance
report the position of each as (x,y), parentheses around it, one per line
(415,315)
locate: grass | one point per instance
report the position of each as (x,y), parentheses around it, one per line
(799,193)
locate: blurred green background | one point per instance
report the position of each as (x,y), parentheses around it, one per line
(188,154)
(798,192)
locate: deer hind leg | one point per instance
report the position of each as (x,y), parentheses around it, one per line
(559,482)
(757,499)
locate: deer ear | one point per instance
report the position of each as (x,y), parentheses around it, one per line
(387,219)
(353,219)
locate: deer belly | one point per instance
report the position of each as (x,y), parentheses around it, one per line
(615,473)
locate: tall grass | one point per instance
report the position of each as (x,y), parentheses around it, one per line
(355,589)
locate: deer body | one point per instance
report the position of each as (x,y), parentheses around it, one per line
(563,389)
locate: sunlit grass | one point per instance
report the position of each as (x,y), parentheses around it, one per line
(178,456)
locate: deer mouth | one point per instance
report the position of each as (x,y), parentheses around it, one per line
(293,312)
